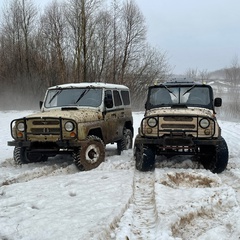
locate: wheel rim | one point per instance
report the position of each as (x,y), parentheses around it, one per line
(92,154)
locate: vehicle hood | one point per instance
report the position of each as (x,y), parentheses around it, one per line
(180,111)
(80,115)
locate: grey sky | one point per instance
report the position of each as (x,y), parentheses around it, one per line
(196,34)
(203,34)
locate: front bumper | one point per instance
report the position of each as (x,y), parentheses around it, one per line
(59,144)
(178,146)
(175,141)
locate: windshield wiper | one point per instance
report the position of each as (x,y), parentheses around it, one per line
(57,93)
(170,91)
(82,94)
(189,89)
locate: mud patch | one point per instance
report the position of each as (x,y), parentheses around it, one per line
(189,180)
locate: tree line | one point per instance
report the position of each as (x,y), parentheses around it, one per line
(74,41)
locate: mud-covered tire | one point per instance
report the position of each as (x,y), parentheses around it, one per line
(126,142)
(77,160)
(221,157)
(90,155)
(215,159)
(22,156)
(144,157)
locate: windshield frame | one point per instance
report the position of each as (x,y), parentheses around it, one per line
(74,97)
(179,95)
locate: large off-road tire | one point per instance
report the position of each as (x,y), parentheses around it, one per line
(215,159)
(22,156)
(221,157)
(144,157)
(77,160)
(126,142)
(90,155)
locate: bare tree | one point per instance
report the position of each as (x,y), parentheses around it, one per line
(80,16)
(27,13)
(79,41)
(101,47)
(54,33)
(233,72)
(203,76)
(192,73)
(233,97)
(134,35)
(18,24)
(152,68)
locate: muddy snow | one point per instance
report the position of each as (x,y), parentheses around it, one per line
(179,200)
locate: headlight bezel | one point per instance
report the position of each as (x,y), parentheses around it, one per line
(204,123)
(152,122)
(69,126)
(20,126)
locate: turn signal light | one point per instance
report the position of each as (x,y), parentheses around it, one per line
(72,134)
(20,134)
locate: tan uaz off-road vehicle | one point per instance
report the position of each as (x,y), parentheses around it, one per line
(180,120)
(77,119)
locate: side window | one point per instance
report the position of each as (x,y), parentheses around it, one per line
(117,98)
(108,99)
(125,97)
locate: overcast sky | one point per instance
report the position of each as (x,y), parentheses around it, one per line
(196,34)
(203,34)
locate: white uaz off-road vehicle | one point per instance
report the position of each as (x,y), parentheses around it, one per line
(77,119)
(180,120)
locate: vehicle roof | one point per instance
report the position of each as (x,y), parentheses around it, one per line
(181,83)
(90,84)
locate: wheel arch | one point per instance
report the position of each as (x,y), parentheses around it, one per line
(96,132)
(129,125)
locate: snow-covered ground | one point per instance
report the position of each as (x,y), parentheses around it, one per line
(179,200)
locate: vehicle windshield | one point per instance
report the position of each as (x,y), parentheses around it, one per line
(175,95)
(89,97)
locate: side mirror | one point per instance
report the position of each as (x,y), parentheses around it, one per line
(40,104)
(108,102)
(217,102)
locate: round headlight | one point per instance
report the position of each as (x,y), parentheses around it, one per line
(204,123)
(152,122)
(69,126)
(20,127)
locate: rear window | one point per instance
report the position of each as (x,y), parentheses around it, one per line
(117,98)
(125,97)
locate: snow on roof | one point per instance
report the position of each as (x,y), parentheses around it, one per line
(92,84)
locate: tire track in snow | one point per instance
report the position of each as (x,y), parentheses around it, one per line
(209,210)
(32,171)
(141,216)
(11,173)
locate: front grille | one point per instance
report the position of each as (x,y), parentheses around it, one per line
(44,126)
(45,122)
(169,125)
(178,126)
(178,118)
(45,130)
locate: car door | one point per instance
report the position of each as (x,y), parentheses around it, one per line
(111,118)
